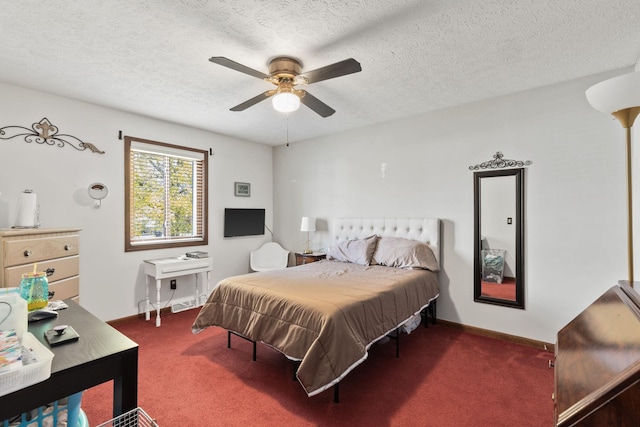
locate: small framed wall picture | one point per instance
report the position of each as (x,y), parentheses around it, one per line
(242,189)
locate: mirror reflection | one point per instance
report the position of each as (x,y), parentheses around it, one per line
(498,276)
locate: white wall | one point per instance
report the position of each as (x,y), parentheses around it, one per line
(575,194)
(575,244)
(111,281)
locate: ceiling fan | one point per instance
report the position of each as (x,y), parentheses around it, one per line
(286,73)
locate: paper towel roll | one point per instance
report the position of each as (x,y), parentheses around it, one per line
(27,207)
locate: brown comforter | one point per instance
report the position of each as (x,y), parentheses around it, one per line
(325,314)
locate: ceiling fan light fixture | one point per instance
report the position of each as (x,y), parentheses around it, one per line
(285,102)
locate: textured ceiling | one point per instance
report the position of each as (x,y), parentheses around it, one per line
(151,56)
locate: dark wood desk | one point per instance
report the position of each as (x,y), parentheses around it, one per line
(597,365)
(101,354)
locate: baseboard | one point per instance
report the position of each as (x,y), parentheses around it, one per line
(176,307)
(141,316)
(541,345)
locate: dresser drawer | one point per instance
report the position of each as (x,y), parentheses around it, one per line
(28,251)
(65,288)
(63,268)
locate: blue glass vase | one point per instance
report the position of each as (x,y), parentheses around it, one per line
(34,288)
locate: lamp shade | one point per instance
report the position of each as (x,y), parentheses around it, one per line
(285,102)
(308,224)
(615,94)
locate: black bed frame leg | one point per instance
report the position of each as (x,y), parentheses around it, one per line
(296,365)
(244,338)
(431,310)
(336,393)
(396,337)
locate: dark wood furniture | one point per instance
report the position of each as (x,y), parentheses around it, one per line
(597,363)
(101,354)
(302,258)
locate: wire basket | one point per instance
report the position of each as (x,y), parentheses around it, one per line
(134,418)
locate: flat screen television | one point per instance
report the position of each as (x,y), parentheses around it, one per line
(243,222)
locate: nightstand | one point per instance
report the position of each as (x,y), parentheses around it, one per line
(309,258)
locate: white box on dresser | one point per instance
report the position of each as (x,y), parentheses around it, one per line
(52,248)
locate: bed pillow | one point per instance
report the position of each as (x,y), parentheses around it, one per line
(404,253)
(357,251)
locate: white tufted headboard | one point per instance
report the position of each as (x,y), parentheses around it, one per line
(426,230)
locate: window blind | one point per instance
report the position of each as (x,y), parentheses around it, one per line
(166,195)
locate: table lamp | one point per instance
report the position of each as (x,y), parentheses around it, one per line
(308,224)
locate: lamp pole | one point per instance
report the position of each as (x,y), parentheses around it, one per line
(626,117)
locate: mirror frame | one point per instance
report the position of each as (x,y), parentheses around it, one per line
(477,264)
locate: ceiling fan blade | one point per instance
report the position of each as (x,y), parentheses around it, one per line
(226,62)
(316,105)
(251,102)
(342,68)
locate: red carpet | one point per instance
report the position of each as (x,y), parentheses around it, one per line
(505,290)
(444,377)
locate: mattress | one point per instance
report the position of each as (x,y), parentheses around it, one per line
(325,314)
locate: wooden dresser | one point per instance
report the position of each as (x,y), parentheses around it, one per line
(597,363)
(55,250)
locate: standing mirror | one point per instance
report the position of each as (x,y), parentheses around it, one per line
(499,237)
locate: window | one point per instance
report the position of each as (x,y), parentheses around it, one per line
(165,195)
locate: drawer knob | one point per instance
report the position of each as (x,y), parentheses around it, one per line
(50,271)
(27,252)
(67,247)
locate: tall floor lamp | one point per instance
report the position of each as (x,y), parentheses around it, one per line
(620,96)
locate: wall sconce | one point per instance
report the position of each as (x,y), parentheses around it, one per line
(308,224)
(98,191)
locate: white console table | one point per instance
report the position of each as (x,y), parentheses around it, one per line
(166,268)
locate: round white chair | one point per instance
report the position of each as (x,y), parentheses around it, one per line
(270,256)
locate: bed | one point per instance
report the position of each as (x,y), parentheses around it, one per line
(379,277)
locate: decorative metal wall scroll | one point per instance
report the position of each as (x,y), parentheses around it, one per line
(499,162)
(43,132)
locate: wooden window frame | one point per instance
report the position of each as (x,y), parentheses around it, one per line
(130,246)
